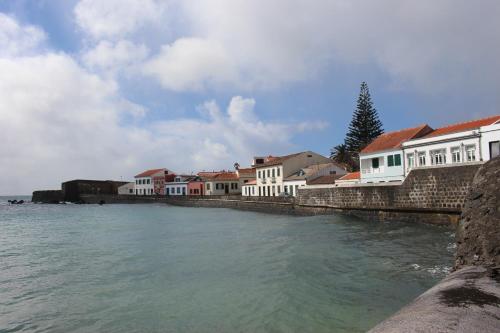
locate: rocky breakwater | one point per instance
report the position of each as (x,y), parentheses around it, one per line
(468,300)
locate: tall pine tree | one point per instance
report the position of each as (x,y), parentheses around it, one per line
(365,125)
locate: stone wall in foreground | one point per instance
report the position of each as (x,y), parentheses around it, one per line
(439,190)
(468,300)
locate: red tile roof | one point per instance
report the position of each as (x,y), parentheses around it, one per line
(246,171)
(148,173)
(226,176)
(392,140)
(351,176)
(465,126)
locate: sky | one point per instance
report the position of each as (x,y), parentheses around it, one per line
(104,89)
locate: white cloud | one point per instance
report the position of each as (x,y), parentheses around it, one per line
(59,121)
(113,57)
(117,18)
(428,46)
(16,39)
(192,64)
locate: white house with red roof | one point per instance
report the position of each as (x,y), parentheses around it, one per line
(391,156)
(152,182)
(382,160)
(468,142)
(221,182)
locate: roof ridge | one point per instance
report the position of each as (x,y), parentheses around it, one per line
(405,129)
(469,121)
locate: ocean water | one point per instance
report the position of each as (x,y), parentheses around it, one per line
(158,268)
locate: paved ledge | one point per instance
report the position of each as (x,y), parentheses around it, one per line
(467,301)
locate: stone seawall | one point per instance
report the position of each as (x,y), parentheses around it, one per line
(430,195)
(50,196)
(468,300)
(435,195)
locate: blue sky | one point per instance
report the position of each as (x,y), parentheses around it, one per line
(105,89)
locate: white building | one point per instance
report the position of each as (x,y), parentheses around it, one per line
(272,171)
(180,185)
(468,142)
(221,183)
(144,182)
(249,189)
(127,189)
(382,160)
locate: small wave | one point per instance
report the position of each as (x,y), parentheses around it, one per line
(436,270)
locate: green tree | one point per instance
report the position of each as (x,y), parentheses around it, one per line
(365,125)
(342,156)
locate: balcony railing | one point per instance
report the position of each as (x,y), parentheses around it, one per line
(273,180)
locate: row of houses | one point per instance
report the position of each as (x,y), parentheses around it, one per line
(389,158)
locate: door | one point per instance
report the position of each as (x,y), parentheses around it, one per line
(494,149)
(226,188)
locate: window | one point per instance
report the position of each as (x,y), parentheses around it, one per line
(235,186)
(274,190)
(178,190)
(253,190)
(455,155)
(269,191)
(411,160)
(268,172)
(438,157)
(291,190)
(149,181)
(208,186)
(285,188)
(274,175)
(279,189)
(375,164)
(471,153)
(278,172)
(397,160)
(494,149)
(136,191)
(421,159)
(296,189)
(260,189)
(394,160)
(258,174)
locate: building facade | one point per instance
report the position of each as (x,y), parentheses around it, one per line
(127,189)
(272,171)
(382,160)
(152,182)
(221,183)
(468,142)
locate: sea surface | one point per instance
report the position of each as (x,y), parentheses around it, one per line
(158,268)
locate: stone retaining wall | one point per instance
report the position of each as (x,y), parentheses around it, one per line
(432,190)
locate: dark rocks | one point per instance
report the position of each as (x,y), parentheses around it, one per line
(478,234)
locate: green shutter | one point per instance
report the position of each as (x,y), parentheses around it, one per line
(397,159)
(390,160)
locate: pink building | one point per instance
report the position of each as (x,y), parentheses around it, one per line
(196,186)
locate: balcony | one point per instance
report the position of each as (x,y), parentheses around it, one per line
(264,181)
(273,179)
(367,171)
